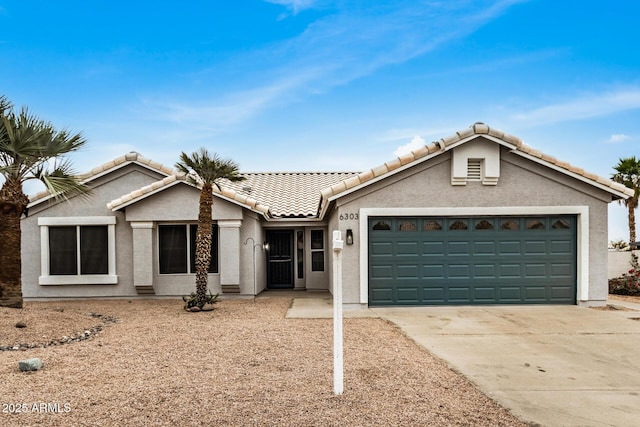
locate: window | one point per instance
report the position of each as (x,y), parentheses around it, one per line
(72,246)
(317,250)
(77,250)
(177,248)
(300,253)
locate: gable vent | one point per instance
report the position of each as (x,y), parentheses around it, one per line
(474,169)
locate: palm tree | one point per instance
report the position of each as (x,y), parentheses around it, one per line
(205,170)
(628,173)
(30,148)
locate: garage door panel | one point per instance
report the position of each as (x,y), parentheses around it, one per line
(484,271)
(510,247)
(408,295)
(381,248)
(511,271)
(511,294)
(560,247)
(535,247)
(407,248)
(433,295)
(484,248)
(459,271)
(536,293)
(473,261)
(459,294)
(407,271)
(561,270)
(433,271)
(535,270)
(382,272)
(458,248)
(484,294)
(433,248)
(383,295)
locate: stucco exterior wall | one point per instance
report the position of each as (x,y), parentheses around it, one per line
(521,183)
(104,190)
(620,262)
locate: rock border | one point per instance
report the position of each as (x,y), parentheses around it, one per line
(80,336)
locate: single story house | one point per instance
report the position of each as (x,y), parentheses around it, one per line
(474,218)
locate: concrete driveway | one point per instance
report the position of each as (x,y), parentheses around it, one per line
(550,365)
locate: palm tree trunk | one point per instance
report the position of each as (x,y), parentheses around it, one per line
(13,203)
(203,243)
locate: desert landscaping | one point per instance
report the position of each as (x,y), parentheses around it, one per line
(148,362)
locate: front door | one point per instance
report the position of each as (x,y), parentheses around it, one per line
(280,259)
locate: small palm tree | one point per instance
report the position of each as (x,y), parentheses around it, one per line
(205,170)
(628,174)
(30,148)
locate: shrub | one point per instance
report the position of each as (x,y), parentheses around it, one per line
(192,300)
(628,283)
(619,245)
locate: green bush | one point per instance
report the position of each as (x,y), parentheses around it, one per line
(628,283)
(192,300)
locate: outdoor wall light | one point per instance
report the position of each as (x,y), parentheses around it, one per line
(265,246)
(349,236)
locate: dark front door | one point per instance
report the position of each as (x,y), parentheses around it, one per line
(280,259)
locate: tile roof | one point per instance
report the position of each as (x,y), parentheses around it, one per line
(180,178)
(117,163)
(288,194)
(447,143)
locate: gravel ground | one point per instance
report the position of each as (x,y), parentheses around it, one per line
(242,364)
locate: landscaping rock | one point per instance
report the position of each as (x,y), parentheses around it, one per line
(195,309)
(33,364)
(21,325)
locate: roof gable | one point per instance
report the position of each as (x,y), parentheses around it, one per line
(107,168)
(180,179)
(443,145)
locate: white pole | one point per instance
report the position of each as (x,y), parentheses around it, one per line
(338,360)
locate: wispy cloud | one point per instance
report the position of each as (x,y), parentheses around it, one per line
(583,107)
(343,46)
(618,137)
(295,5)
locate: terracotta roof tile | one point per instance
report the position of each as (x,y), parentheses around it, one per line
(291,194)
(465,134)
(110,165)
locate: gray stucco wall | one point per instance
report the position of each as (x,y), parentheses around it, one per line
(104,190)
(522,183)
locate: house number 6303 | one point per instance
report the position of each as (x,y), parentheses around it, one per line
(346,216)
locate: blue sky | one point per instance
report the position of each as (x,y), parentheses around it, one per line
(328,85)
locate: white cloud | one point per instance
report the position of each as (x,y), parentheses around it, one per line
(416,142)
(295,5)
(618,137)
(584,107)
(332,51)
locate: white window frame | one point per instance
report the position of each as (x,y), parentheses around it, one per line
(79,279)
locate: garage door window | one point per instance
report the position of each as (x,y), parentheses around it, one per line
(433,225)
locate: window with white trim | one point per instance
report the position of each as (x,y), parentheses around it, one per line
(317,250)
(177,248)
(77,250)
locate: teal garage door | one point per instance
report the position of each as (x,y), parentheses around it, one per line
(472,260)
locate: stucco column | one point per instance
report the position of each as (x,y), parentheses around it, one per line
(229,255)
(143,256)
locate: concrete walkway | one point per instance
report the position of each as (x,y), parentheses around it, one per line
(550,365)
